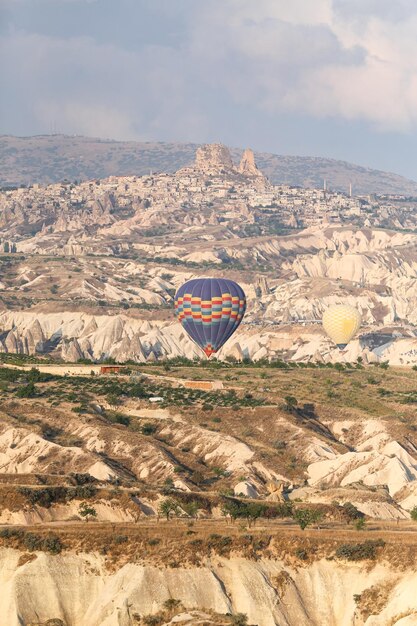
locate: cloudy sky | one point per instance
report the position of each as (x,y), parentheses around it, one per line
(334,78)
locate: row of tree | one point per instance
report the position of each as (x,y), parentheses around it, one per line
(250,511)
(234,509)
(9,247)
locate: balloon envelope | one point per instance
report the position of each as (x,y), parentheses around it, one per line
(341,322)
(210,310)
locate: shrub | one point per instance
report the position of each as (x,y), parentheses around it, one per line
(305,517)
(219,542)
(359,551)
(172,604)
(196,543)
(281,510)
(153,620)
(279,444)
(27,391)
(44,497)
(9,533)
(118,418)
(52,544)
(301,554)
(168,487)
(154,542)
(220,472)
(191,508)
(86,511)
(83,491)
(79,409)
(32,542)
(352,512)
(82,479)
(10,375)
(239,619)
(113,400)
(36,376)
(360,523)
(50,432)
(290,402)
(149,429)
(120,539)
(413,513)
(138,391)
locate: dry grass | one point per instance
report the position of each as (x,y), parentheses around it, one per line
(399,616)
(264,428)
(26,557)
(374,599)
(181,544)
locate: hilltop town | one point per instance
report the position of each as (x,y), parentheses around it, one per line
(212,199)
(89,270)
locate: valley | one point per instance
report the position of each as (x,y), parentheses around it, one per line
(195,506)
(141,485)
(89,271)
(208,313)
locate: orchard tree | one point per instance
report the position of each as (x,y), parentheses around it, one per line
(191,508)
(86,511)
(167,507)
(305,517)
(290,403)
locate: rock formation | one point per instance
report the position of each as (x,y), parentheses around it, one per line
(79,589)
(247,165)
(276,491)
(213,157)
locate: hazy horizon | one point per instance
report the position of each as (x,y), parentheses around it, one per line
(236,147)
(333,79)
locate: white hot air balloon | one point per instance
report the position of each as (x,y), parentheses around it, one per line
(341,322)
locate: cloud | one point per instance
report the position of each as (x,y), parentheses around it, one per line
(79,86)
(386,10)
(345,59)
(331,61)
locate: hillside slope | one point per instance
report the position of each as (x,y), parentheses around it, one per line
(53,158)
(117,249)
(237,453)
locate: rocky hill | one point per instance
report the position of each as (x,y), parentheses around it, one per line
(201,435)
(230,492)
(223,592)
(196,504)
(90,270)
(54,158)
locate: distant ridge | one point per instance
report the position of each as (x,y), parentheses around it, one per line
(53,158)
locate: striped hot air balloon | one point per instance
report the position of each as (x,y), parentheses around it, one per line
(210,310)
(341,322)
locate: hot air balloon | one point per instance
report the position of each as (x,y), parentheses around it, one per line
(210,310)
(341,322)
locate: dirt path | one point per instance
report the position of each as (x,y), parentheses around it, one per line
(404,532)
(88,370)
